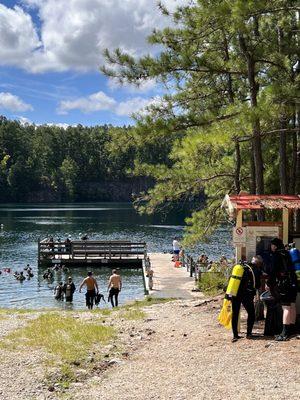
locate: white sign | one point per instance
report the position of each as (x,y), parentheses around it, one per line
(239,236)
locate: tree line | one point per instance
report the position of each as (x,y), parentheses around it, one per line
(229,119)
(49,163)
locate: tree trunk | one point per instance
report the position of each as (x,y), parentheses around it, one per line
(256,131)
(237,167)
(283,161)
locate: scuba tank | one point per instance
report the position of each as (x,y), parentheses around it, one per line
(295,256)
(235,280)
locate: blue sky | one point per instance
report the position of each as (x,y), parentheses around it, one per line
(51,50)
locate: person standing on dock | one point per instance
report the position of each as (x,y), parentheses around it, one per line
(176,249)
(92,289)
(114,288)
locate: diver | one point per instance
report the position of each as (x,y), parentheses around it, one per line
(58,292)
(21,277)
(248,283)
(69,289)
(48,274)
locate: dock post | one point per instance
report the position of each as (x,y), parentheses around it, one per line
(39,251)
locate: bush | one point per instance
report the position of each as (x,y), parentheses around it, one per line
(212,282)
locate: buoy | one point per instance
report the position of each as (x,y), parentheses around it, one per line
(178,264)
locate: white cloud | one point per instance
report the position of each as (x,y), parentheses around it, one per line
(95,102)
(18,37)
(74,33)
(100,101)
(132,106)
(13,103)
(24,121)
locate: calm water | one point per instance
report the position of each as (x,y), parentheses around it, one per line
(24,224)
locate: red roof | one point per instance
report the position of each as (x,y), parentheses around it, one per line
(257,202)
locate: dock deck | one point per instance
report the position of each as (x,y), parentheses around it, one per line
(170,282)
(82,252)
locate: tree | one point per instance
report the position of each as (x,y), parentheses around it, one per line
(222,66)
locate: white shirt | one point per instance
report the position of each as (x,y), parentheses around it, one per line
(176,245)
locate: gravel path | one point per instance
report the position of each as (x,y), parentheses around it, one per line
(190,357)
(178,351)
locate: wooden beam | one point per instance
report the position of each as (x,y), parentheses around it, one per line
(285,225)
(239,223)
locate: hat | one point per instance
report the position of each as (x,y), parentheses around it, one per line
(277,242)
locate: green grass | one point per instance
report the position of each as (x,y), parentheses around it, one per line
(132,314)
(67,338)
(212,283)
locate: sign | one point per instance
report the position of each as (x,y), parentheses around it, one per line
(259,237)
(239,236)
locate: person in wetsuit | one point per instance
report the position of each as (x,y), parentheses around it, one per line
(282,283)
(69,289)
(92,289)
(250,282)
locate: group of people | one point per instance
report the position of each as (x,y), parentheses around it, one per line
(27,273)
(92,295)
(274,278)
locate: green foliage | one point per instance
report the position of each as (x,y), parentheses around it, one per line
(212,283)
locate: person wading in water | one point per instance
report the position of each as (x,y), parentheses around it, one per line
(92,289)
(114,287)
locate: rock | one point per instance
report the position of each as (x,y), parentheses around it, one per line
(51,388)
(114,361)
(185,334)
(77,363)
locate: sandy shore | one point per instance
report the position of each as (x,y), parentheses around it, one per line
(176,351)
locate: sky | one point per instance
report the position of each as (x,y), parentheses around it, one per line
(51,51)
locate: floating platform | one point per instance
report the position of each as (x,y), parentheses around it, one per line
(74,253)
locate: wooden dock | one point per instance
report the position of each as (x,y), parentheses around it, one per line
(97,253)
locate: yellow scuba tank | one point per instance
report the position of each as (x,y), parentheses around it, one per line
(235,280)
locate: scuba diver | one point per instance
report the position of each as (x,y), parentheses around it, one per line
(282,284)
(69,289)
(241,290)
(20,277)
(58,292)
(48,274)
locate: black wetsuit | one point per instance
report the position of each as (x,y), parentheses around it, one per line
(281,279)
(245,296)
(69,289)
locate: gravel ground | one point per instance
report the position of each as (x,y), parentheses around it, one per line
(177,352)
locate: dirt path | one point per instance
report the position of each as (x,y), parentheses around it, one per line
(176,351)
(190,357)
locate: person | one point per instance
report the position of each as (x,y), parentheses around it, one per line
(69,289)
(48,274)
(176,249)
(68,246)
(58,292)
(249,283)
(281,284)
(92,289)
(114,288)
(286,285)
(21,277)
(150,274)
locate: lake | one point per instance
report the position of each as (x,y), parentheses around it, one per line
(24,224)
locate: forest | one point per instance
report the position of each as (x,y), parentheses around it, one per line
(49,163)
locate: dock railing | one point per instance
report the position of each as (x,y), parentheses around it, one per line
(89,250)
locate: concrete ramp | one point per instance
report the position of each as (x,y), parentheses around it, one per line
(169,281)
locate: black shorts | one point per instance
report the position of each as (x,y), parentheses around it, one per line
(89,297)
(114,292)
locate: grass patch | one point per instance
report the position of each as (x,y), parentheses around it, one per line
(212,283)
(149,301)
(132,314)
(62,336)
